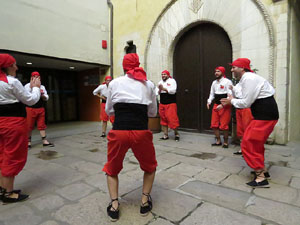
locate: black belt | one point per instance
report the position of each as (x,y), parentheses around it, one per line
(103,101)
(218,97)
(13,110)
(130,116)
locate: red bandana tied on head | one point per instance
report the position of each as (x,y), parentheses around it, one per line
(107,78)
(6,60)
(167,72)
(35,74)
(222,69)
(242,63)
(131,66)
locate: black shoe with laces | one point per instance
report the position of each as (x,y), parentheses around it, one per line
(103,135)
(113,213)
(262,184)
(177,138)
(147,206)
(6,199)
(2,191)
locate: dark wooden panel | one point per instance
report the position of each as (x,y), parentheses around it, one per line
(196,55)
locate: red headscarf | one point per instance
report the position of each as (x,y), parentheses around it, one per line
(222,69)
(108,78)
(6,60)
(242,63)
(167,72)
(130,65)
(35,74)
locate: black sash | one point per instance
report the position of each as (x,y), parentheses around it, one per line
(166,98)
(13,110)
(103,101)
(130,116)
(218,97)
(39,104)
(265,109)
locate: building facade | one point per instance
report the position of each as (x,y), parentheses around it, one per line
(191,37)
(68,42)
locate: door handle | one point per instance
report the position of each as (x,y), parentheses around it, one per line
(186,90)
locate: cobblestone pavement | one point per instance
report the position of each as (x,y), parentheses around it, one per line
(195,183)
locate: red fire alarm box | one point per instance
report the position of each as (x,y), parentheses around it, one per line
(104,44)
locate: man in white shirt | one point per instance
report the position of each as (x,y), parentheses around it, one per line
(101,92)
(132,99)
(36,113)
(221,115)
(168,108)
(13,127)
(258,94)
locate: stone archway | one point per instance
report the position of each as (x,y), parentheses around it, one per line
(246,22)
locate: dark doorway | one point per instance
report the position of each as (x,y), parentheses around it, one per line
(197,53)
(62,89)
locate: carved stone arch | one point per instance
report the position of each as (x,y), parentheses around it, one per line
(170,40)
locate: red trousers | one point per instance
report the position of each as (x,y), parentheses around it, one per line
(168,115)
(13,145)
(243,119)
(104,116)
(36,115)
(253,142)
(220,119)
(140,141)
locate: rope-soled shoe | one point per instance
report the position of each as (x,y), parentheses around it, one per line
(147,206)
(113,214)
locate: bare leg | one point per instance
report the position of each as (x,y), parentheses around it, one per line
(113,188)
(225,132)
(165,130)
(217,135)
(43,134)
(8,183)
(176,132)
(29,137)
(104,126)
(147,185)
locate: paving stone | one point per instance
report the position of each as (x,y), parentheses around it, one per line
(58,175)
(96,157)
(237,182)
(237,161)
(295,183)
(98,181)
(186,169)
(169,180)
(50,222)
(211,176)
(36,186)
(215,215)
(276,212)
(160,221)
(283,175)
(20,215)
(225,197)
(92,210)
(47,202)
(163,199)
(277,192)
(86,167)
(75,191)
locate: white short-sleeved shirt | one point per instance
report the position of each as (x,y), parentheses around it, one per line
(102,89)
(43,89)
(170,84)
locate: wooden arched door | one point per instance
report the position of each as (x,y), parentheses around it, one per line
(197,53)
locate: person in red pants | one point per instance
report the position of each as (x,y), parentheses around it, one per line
(243,116)
(132,99)
(101,92)
(168,107)
(258,94)
(221,115)
(36,114)
(13,127)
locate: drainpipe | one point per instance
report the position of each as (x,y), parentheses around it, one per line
(111,7)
